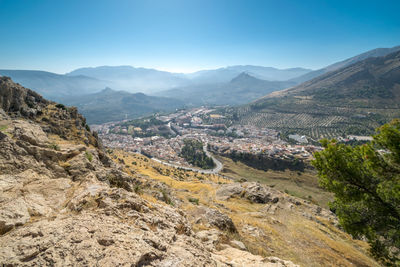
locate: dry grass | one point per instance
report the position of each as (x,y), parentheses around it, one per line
(302,185)
(285,234)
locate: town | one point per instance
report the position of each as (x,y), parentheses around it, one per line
(162,137)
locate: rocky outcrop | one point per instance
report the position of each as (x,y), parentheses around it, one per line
(255,192)
(237,258)
(18,100)
(106,227)
(220,220)
(61,204)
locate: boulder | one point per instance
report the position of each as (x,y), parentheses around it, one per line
(255,192)
(238,258)
(30,132)
(220,220)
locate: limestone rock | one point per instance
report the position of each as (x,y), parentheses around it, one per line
(220,220)
(238,244)
(255,192)
(30,132)
(13,213)
(238,258)
(109,230)
(18,100)
(210,238)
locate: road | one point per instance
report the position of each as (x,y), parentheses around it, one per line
(218,165)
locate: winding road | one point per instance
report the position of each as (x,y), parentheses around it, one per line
(218,165)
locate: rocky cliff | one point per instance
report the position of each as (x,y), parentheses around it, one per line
(65,202)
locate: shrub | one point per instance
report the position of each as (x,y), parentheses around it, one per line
(194,200)
(137,189)
(61,106)
(166,197)
(54,146)
(89,156)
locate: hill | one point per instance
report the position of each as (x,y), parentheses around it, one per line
(351,100)
(378,52)
(241,89)
(110,105)
(53,85)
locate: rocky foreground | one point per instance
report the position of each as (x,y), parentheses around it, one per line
(65,201)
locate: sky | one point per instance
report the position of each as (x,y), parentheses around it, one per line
(190,35)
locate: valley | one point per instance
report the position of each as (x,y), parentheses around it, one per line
(240,152)
(201,133)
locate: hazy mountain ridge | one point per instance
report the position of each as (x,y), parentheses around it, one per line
(52,85)
(133,79)
(228,73)
(110,105)
(241,89)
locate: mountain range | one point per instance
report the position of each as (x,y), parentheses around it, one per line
(133,79)
(353,99)
(149,81)
(241,89)
(233,85)
(263,73)
(54,86)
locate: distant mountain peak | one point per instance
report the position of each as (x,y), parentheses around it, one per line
(107,90)
(243,76)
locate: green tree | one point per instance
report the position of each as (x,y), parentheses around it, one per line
(366,182)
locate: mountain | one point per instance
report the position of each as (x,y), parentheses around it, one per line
(133,79)
(241,89)
(150,81)
(228,73)
(378,52)
(374,82)
(351,100)
(90,80)
(53,85)
(67,201)
(109,105)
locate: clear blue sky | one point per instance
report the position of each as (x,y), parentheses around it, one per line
(187,35)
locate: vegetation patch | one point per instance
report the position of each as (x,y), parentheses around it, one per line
(54,146)
(193,153)
(89,156)
(193,200)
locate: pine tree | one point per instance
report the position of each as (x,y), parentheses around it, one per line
(366,182)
